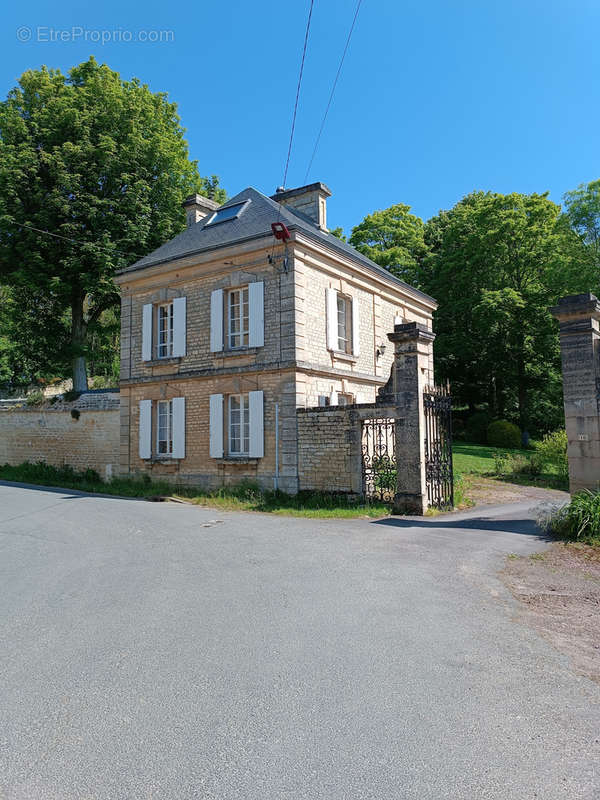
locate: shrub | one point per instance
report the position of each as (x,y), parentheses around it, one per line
(103,382)
(476,427)
(579,520)
(504,434)
(36,398)
(553,450)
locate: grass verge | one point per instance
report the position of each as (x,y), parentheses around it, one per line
(243,497)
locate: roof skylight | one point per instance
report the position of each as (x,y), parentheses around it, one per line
(227,213)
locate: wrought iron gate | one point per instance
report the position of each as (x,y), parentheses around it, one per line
(438,446)
(379,470)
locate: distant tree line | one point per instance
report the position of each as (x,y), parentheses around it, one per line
(496,263)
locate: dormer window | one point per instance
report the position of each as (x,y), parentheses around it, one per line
(226,213)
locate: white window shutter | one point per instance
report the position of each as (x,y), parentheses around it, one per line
(147,332)
(256,308)
(145,429)
(398,320)
(216,426)
(216,320)
(257,425)
(179,326)
(355,327)
(178,427)
(332,319)
(333,399)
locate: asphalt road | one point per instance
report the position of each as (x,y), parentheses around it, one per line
(164,651)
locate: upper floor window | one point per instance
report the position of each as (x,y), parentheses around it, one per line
(165,330)
(238,318)
(343,330)
(164,428)
(344,323)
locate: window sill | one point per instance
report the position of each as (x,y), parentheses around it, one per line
(344,356)
(162,460)
(156,362)
(240,351)
(237,460)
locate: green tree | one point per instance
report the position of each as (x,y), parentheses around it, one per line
(497,263)
(102,164)
(393,238)
(582,209)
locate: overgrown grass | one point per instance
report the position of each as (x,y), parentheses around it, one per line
(242,497)
(578,521)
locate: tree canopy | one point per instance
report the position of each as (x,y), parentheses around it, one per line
(393,238)
(495,263)
(102,164)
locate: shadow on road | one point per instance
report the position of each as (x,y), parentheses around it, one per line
(527,527)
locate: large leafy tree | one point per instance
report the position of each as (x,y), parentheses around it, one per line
(393,238)
(100,163)
(497,263)
(582,209)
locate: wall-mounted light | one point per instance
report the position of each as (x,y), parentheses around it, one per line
(380,350)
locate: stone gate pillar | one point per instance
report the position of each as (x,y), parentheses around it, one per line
(579,327)
(413,345)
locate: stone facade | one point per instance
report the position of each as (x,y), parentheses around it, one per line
(295,367)
(87,439)
(579,325)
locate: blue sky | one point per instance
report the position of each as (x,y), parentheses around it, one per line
(436,98)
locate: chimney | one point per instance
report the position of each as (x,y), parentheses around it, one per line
(197,207)
(309,200)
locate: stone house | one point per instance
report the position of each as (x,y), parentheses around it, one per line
(251,313)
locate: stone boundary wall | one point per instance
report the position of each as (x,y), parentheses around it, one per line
(87,439)
(329,446)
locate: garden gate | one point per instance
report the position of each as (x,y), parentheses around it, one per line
(437,404)
(379,469)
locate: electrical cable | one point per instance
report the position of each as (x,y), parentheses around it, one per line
(318,139)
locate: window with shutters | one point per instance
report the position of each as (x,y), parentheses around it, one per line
(238,318)
(164,427)
(165,330)
(345,399)
(239,425)
(344,323)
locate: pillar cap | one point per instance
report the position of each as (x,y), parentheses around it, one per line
(411,331)
(577,306)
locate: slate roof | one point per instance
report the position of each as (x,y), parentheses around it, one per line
(255,222)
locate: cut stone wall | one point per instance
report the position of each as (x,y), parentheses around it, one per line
(329,446)
(53,435)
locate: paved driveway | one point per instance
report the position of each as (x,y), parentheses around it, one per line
(163,651)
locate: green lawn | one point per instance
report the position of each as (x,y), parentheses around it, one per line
(478,459)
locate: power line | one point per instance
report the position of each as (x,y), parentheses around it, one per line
(287,163)
(333,89)
(73,241)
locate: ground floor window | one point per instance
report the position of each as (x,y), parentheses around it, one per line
(239,425)
(164,428)
(345,399)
